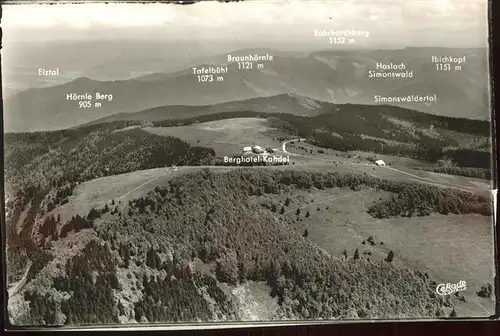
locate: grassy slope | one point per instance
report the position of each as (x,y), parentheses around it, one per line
(125,187)
(227,136)
(174,225)
(434,244)
(387,130)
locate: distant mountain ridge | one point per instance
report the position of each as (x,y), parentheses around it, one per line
(282,103)
(337,77)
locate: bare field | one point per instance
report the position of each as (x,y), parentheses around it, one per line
(440,180)
(333,218)
(227,136)
(449,248)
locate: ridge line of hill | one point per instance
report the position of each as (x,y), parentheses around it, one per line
(321,76)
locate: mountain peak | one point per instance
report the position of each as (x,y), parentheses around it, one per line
(83,80)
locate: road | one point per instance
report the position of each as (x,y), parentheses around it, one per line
(416,177)
(323,163)
(283,146)
(469,189)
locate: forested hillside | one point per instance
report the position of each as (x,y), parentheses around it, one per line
(50,159)
(192,238)
(381,129)
(395,131)
(42,169)
(200,236)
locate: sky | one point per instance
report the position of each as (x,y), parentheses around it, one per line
(396,22)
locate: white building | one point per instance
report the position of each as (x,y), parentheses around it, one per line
(247,149)
(380,163)
(258,149)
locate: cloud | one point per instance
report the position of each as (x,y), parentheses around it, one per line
(252,19)
(85,15)
(215,14)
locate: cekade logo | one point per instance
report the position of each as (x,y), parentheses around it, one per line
(447,289)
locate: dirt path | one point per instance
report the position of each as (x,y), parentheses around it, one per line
(283,147)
